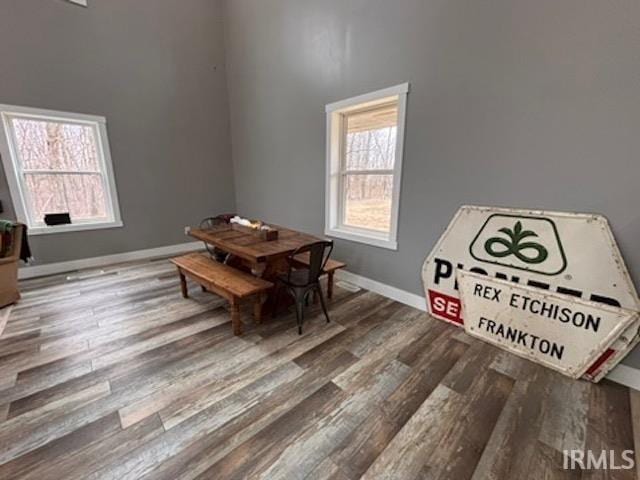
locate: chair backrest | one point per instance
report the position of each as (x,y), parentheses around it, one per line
(319,253)
(211,222)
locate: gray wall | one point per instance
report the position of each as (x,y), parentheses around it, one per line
(513,102)
(155,70)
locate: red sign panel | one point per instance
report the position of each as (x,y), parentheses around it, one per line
(445,306)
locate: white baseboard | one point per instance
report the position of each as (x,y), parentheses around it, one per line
(61,267)
(402,296)
(622,374)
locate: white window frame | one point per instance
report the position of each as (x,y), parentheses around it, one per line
(13,170)
(334,189)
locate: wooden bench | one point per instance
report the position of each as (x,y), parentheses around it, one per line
(228,282)
(302,261)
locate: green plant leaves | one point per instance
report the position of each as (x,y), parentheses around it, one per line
(514,245)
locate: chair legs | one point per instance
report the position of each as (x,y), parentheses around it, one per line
(300,312)
(276,300)
(300,296)
(324,307)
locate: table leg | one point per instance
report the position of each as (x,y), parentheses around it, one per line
(257,308)
(236,323)
(183,285)
(269,271)
(258,269)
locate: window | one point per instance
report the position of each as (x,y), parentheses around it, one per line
(56,163)
(364,158)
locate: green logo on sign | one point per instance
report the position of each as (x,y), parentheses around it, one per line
(528,252)
(524,242)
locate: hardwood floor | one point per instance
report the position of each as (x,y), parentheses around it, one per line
(111,374)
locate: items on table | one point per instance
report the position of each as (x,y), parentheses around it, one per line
(255,224)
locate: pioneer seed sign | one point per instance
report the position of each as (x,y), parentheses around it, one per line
(558,331)
(560,253)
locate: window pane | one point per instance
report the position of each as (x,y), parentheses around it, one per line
(82,195)
(48,145)
(368,201)
(370,142)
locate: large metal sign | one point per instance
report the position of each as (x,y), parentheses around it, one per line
(565,253)
(558,331)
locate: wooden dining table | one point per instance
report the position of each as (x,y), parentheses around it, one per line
(264,259)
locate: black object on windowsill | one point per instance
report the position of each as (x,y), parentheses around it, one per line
(57,219)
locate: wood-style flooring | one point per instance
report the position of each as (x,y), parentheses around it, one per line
(111,374)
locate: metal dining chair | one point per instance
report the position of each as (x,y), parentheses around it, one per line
(211,222)
(301,282)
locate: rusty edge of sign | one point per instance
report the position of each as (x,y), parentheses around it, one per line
(622,346)
(631,319)
(630,337)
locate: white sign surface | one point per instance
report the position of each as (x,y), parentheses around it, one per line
(555,330)
(566,253)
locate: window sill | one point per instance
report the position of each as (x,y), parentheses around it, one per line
(73,227)
(374,240)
